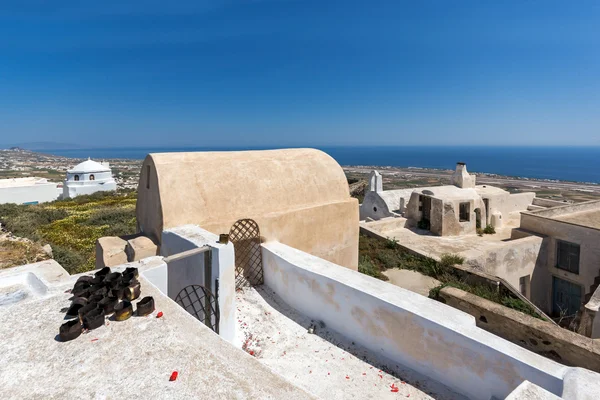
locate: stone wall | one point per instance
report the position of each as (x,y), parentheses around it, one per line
(539,336)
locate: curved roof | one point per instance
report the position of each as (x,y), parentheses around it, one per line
(209,187)
(88,166)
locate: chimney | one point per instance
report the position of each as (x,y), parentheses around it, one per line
(375,182)
(461,177)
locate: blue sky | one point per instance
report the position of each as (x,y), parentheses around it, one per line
(284,72)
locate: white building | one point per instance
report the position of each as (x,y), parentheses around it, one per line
(88,177)
(29,190)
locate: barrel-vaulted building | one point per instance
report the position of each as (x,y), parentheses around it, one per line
(299,197)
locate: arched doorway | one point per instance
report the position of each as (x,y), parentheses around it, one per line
(477,218)
(245,236)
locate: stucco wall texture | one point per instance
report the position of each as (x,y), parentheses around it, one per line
(409,329)
(589,261)
(299,197)
(536,335)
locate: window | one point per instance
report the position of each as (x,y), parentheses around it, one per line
(92,177)
(567,256)
(76,178)
(147,177)
(464,212)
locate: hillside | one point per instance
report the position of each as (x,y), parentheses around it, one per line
(71,227)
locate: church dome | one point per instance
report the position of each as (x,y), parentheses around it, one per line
(88,166)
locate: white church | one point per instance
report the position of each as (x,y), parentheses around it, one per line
(88,177)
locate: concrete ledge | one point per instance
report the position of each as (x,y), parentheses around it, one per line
(538,201)
(110,251)
(539,336)
(386,224)
(140,247)
(529,391)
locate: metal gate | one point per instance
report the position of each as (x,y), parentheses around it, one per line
(200,302)
(245,236)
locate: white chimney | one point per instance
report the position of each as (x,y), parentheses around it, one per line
(461,178)
(375,182)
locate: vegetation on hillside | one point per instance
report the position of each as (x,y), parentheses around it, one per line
(72,226)
(378,255)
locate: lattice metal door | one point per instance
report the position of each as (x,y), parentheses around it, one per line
(245,236)
(200,302)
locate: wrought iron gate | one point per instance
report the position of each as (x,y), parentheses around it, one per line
(200,302)
(245,236)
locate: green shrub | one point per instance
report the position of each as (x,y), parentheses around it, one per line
(106,216)
(388,259)
(367,267)
(391,243)
(489,230)
(73,261)
(24,221)
(519,305)
(121,228)
(72,226)
(434,293)
(375,256)
(448,260)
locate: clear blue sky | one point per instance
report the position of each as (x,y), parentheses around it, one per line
(167,73)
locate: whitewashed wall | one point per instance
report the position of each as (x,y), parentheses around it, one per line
(425,335)
(41,193)
(190,270)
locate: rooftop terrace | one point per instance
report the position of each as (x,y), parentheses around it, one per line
(128,359)
(369,336)
(324,363)
(586,214)
(590,219)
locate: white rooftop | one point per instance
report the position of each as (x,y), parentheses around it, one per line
(89,166)
(21,182)
(448,192)
(132,359)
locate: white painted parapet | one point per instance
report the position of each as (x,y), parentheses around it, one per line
(529,391)
(189,270)
(422,334)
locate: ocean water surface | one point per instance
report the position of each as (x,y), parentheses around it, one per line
(581,164)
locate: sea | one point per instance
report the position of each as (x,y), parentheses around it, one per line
(577,164)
